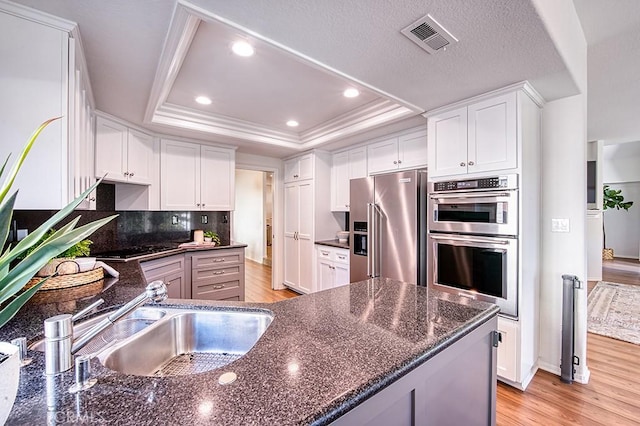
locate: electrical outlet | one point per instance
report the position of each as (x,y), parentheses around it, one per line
(204,219)
(174,219)
(225,219)
(560,225)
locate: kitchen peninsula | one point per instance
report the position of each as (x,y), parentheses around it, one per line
(370,351)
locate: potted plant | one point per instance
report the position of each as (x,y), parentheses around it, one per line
(66,262)
(611,198)
(15,273)
(211,237)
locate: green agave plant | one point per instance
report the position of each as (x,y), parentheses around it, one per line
(14,277)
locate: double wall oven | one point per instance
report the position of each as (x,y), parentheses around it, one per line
(473,239)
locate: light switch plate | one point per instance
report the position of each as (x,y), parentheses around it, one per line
(174,219)
(560,225)
(204,219)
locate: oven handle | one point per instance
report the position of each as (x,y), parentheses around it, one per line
(472,240)
(473,195)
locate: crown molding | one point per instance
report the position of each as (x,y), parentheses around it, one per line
(38,16)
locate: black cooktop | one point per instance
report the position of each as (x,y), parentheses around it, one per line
(133,251)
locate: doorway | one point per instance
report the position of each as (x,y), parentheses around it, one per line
(253,223)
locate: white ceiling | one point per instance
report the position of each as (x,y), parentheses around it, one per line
(500,42)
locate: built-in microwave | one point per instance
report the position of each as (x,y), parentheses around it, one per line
(487,206)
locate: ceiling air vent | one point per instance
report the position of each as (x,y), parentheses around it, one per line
(427,33)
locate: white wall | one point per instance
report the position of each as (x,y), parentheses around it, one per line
(248,217)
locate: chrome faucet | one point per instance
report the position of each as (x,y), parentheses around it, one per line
(60,345)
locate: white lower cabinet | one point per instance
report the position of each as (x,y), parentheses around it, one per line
(332,267)
(508,349)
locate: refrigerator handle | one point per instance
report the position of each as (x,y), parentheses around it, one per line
(375,233)
(370,237)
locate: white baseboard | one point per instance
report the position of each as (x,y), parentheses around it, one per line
(551,368)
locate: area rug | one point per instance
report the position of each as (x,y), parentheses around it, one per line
(614,311)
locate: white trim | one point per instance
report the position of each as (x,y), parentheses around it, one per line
(582,374)
(84,70)
(551,368)
(523,85)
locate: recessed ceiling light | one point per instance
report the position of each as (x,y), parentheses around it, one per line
(292,123)
(203,100)
(242,48)
(351,93)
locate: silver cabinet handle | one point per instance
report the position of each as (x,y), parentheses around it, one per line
(219,260)
(324,253)
(342,257)
(462,164)
(471,163)
(218,287)
(369,224)
(487,194)
(218,273)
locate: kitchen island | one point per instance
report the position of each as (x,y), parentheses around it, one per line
(371,351)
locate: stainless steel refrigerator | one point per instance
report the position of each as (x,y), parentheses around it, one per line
(388,227)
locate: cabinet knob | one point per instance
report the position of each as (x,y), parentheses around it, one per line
(295,176)
(130,174)
(92,199)
(471,163)
(346,205)
(399,161)
(203,204)
(198,204)
(126,173)
(462,164)
(395,162)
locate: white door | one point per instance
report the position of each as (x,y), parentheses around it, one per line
(492,134)
(111,150)
(291,251)
(140,157)
(341,274)
(382,156)
(412,150)
(447,143)
(507,365)
(180,164)
(305,236)
(340,182)
(291,170)
(217,168)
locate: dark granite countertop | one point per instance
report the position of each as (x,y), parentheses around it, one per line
(333,243)
(323,354)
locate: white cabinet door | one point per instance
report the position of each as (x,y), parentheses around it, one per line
(291,251)
(305,167)
(340,182)
(111,150)
(382,156)
(291,170)
(305,235)
(180,180)
(492,137)
(447,143)
(217,178)
(412,150)
(357,163)
(341,274)
(507,349)
(139,157)
(325,274)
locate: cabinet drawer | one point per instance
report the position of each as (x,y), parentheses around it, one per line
(217,258)
(217,287)
(325,253)
(341,256)
(205,276)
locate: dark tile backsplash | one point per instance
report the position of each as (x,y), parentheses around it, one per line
(135,228)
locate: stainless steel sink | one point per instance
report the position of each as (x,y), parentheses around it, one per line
(188,342)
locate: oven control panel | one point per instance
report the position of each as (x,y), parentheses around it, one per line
(501,182)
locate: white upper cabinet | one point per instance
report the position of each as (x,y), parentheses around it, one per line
(299,168)
(42,76)
(345,166)
(123,154)
(196,177)
(407,151)
(480,137)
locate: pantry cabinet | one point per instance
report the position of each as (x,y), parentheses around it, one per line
(45,78)
(123,154)
(196,177)
(405,151)
(346,165)
(307,218)
(476,138)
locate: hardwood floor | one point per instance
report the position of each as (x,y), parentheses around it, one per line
(612,396)
(258,284)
